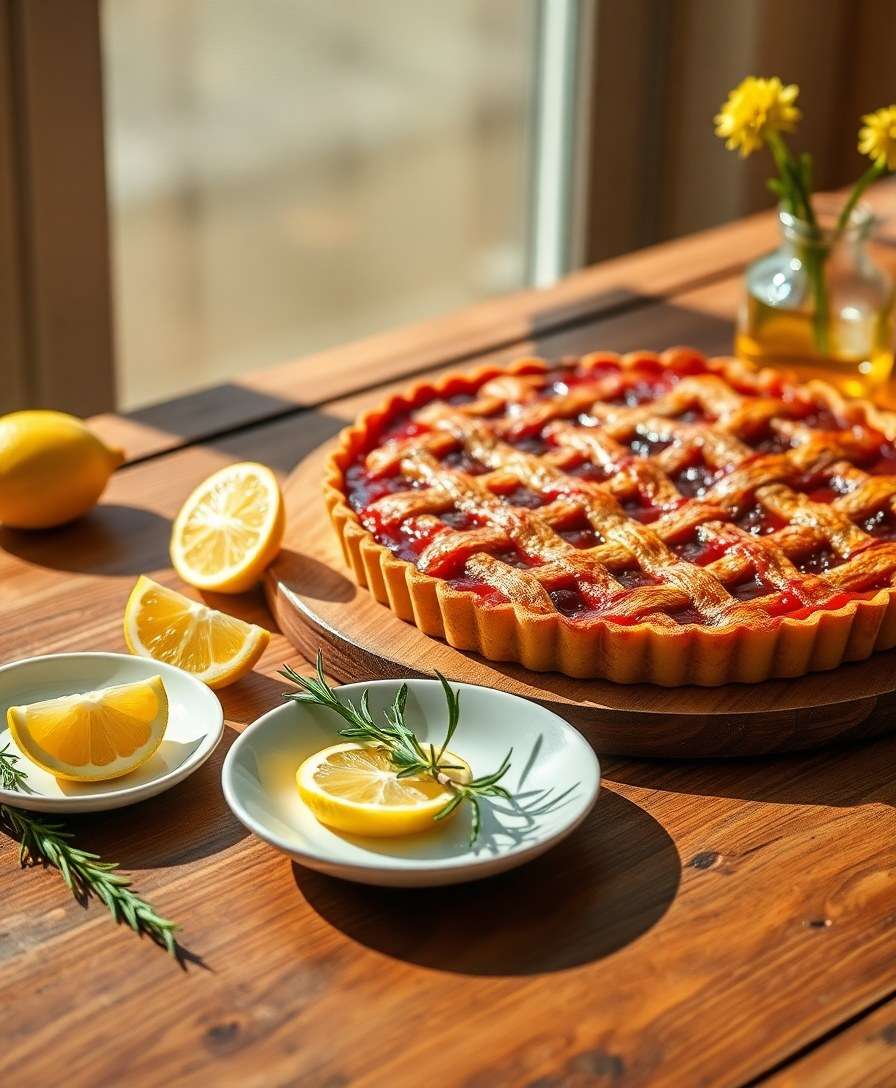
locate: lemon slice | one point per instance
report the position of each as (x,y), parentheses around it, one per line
(354,787)
(167,626)
(95,735)
(229,529)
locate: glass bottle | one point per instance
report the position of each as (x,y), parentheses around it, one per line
(819,304)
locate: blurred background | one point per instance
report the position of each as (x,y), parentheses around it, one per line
(190,189)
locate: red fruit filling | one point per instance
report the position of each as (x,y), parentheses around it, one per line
(645,382)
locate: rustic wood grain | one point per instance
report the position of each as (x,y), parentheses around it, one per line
(862,1056)
(709,921)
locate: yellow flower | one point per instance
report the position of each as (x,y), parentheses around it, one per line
(878,138)
(755,110)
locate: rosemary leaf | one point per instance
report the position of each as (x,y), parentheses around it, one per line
(406,753)
(450,807)
(411,771)
(42,842)
(453,700)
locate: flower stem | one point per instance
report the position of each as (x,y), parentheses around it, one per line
(871,174)
(815,259)
(813,252)
(779,153)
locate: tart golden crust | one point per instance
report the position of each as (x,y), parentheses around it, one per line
(666,518)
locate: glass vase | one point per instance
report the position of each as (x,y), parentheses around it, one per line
(819,304)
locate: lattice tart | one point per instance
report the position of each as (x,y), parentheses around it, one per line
(665,518)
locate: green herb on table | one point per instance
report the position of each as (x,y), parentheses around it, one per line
(84,873)
(408,755)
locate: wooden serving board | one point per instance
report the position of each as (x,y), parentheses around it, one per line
(318,606)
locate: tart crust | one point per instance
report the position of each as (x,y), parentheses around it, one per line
(641,652)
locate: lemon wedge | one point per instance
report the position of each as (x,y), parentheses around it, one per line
(167,626)
(94,735)
(354,787)
(229,529)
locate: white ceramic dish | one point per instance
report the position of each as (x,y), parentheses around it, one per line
(554,777)
(195,725)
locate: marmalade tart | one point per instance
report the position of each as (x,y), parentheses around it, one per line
(663,518)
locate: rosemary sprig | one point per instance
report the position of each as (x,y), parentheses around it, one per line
(84,873)
(407,754)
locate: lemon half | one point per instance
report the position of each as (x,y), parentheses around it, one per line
(355,788)
(229,529)
(93,735)
(165,625)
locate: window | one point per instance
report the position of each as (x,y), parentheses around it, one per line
(286,175)
(274,177)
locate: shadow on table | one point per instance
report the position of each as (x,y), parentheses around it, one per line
(624,320)
(119,538)
(188,822)
(280,429)
(255,694)
(216,407)
(281,442)
(249,605)
(840,775)
(312,578)
(595,893)
(112,539)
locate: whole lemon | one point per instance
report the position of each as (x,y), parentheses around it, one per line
(52,468)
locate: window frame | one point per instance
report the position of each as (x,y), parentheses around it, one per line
(56,349)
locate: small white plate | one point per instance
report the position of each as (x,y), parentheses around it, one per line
(554,777)
(195,725)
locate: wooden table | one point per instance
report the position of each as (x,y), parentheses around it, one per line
(711,923)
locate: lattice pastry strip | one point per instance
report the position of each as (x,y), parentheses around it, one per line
(535,535)
(648,517)
(529,531)
(701,419)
